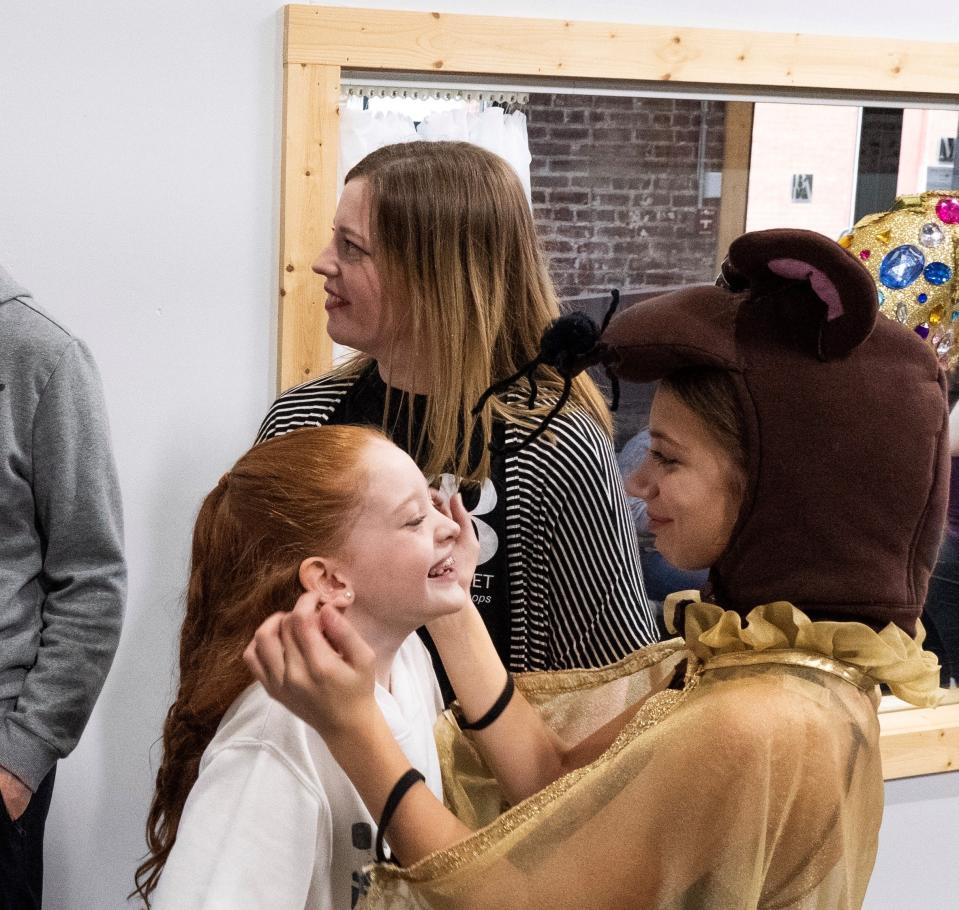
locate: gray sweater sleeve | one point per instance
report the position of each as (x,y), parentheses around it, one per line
(83,577)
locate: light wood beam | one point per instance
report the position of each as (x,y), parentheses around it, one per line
(737,148)
(919,740)
(453,43)
(311,94)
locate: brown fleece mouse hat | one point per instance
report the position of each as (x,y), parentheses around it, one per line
(844,420)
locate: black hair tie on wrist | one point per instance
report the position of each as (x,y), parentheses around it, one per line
(399,790)
(499,706)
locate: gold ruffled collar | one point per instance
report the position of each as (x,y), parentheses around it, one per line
(779,631)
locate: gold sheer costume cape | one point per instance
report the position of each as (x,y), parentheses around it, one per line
(756,785)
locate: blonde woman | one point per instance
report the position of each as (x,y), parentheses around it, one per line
(434,276)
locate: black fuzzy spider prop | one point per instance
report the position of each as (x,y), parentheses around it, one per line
(569,345)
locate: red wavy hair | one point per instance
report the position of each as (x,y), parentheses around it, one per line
(289,498)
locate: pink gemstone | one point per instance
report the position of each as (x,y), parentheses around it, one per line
(948,211)
(864,254)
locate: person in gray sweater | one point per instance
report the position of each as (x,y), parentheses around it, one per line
(62,573)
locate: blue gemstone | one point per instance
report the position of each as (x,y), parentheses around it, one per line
(922,330)
(955,315)
(901,267)
(922,298)
(882,298)
(937,273)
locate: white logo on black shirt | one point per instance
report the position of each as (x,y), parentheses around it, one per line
(488,539)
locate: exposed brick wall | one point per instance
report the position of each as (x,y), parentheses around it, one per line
(614,184)
(615,192)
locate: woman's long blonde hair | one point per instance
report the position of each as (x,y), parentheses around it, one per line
(284,500)
(453,239)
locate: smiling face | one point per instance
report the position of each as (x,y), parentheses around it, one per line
(398,555)
(691,484)
(358,314)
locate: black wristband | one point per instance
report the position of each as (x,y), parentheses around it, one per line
(499,706)
(399,790)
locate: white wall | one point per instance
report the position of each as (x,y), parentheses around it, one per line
(138,192)
(916,866)
(787,140)
(138,199)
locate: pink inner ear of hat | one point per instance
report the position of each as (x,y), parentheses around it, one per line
(824,289)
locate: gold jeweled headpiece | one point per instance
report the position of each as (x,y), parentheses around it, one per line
(911,251)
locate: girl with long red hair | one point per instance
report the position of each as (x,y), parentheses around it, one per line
(250,809)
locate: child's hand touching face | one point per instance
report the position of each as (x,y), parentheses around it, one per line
(313,662)
(465,552)
(466,548)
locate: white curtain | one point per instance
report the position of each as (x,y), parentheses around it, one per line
(361,132)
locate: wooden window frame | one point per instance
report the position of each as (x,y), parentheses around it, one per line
(320,42)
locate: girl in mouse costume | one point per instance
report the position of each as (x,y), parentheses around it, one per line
(737,766)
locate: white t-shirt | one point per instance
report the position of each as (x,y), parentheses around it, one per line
(272,822)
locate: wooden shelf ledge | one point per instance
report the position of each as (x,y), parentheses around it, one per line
(918,740)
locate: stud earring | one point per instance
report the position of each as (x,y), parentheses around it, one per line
(348,595)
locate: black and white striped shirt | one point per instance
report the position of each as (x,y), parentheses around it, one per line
(576,597)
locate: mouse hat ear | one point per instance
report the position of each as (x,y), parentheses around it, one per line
(814,281)
(796,286)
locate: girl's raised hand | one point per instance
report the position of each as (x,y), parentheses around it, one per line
(466,548)
(465,552)
(316,664)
